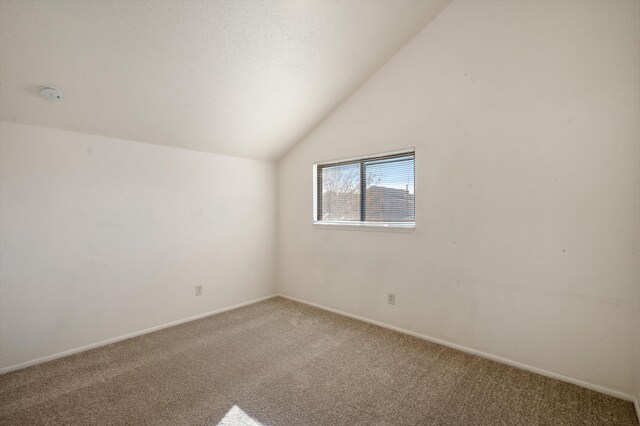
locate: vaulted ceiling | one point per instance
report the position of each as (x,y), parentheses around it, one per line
(243,78)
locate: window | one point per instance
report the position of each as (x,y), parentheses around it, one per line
(376,191)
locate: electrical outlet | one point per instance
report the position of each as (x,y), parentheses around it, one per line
(198,290)
(391,299)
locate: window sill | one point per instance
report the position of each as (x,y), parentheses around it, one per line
(364,226)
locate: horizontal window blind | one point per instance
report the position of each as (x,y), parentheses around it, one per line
(369,190)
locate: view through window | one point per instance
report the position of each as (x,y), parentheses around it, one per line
(378,190)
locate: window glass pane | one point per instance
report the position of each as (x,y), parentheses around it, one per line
(390,195)
(340,192)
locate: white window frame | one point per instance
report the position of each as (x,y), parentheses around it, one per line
(365,226)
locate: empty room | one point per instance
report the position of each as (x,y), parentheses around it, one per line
(319,212)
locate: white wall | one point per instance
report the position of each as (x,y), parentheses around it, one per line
(524,117)
(102,237)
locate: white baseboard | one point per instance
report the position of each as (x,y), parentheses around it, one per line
(62,354)
(506,361)
(496,358)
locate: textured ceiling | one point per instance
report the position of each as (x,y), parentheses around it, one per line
(243,78)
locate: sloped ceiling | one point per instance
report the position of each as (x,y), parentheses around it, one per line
(243,78)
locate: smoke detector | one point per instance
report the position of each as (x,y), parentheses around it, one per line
(51,93)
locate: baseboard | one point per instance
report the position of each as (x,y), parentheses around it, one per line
(126,336)
(486,355)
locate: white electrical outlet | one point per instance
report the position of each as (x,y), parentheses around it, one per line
(391,299)
(198,290)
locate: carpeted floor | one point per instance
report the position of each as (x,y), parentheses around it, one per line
(280,362)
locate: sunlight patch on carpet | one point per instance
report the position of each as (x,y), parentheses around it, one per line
(235,416)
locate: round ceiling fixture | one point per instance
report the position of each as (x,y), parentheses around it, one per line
(51,93)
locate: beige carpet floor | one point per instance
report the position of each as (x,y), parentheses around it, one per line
(280,362)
